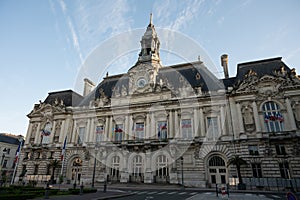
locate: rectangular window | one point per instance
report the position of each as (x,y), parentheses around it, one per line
(118,132)
(253,149)
(162,130)
(81,135)
(212,127)
(139,130)
(100,133)
(280,149)
(284,170)
(4,164)
(186,129)
(256,170)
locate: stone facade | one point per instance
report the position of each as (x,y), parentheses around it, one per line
(155,123)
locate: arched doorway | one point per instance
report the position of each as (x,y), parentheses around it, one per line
(114,174)
(217,172)
(76,171)
(162,169)
(137,169)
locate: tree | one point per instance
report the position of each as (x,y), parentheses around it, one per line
(54,164)
(238,162)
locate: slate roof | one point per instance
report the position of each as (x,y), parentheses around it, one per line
(194,74)
(69,97)
(8,139)
(260,67)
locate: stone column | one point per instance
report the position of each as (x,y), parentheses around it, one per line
(202,123)
(176,132)
(290,114)
(110,131)
(131,128)
(62,134)
(148,178)
(126,125)
(107,128)
(37,134)
(51,136)
(222,113)
(92,131)
(234,116)
(256,117)
(153,128)
(240,117)
(29,132)
(196,123)
(170,128)
(147,126)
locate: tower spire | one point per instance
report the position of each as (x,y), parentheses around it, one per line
(150,19)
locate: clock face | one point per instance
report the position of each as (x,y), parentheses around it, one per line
(141,82)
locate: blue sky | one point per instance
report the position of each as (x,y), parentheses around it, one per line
(43,44)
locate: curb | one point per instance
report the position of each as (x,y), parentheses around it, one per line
(114,196)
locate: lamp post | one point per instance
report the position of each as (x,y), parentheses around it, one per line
(182,182)
(95,163)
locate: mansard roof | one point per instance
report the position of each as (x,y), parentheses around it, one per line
(69,97)
(9,139)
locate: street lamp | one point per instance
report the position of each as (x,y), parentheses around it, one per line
(182,182)
(95,163)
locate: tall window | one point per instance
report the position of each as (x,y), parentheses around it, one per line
(100,133)
(81,135)
(162,166)
(115,166)
(137,165)
(118,132)
(186,129)
(139,130)
(256,170)
(284,169)
(162,130)
(36,169)
(212,127)
(4,163)
(273,117)
(46,132)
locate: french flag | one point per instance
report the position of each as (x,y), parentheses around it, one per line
(18,152)
(63,149)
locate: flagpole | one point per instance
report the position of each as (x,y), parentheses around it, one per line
(63,155)
(14,174)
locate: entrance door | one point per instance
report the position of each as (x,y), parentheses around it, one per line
(217,170)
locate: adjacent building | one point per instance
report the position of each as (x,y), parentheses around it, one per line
(8,147)
(156,123)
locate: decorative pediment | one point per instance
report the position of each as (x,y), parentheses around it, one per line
(47,110)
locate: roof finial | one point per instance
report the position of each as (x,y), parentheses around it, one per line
(150,18)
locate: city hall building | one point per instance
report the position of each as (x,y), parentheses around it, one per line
(168,124)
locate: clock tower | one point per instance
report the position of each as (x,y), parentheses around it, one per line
(143,74)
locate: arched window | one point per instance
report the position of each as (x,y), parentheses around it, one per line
(216,161)
(162,166)
(273,117)
(137,165)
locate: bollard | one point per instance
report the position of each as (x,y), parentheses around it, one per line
(81,189)
(47,191)
(217,190)
(104,188)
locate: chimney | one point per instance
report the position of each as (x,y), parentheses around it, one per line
(224,63)
(88,87)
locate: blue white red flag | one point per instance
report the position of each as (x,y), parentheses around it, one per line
(63,150)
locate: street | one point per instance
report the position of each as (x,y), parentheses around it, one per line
(193,195)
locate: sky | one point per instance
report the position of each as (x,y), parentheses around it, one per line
(46,45)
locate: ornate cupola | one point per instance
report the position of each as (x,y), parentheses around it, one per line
(149,45)
(143,74)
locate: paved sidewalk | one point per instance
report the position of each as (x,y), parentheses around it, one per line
(99,195)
